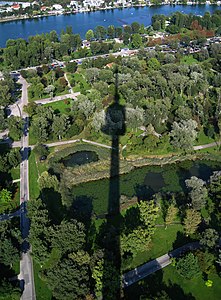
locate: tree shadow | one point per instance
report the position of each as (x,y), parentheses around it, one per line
(114,127)
(181,239)
(52,200)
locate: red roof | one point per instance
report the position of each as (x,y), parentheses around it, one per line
(16,6)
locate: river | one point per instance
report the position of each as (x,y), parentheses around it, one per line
(81,22)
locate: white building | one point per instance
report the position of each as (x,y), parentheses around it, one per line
(57,7)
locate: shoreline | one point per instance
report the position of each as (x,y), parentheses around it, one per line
(25,17)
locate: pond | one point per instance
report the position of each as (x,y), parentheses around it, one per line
(144,182)
(80,158)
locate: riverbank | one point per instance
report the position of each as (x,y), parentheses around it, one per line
(86,10)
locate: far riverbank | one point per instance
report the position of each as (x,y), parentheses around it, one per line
(81,22)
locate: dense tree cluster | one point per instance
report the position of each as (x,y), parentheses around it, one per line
(169,102)
(10,239)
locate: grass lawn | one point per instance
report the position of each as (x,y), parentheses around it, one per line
(41,289)
(162,242)
(203,139)
(196,286)
(60,106)
(15,172)
(175,286)
(33,177)
(188,59)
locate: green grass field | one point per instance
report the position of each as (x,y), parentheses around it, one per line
(60,106)
(188,59)
(41,289)
(33,177)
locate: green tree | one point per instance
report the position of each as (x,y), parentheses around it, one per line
(47,180)
(15,126)
(41,150)
(71,67)
(60,126)
(183,134)
(191,221)
(171,214)
(5,196)
(209,238)
(89,35)
(137,40)
(188,266)
(197,192)
(14,157)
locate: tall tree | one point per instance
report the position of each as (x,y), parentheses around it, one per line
(191,221)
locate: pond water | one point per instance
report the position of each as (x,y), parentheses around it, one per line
(80,158)
(144,182)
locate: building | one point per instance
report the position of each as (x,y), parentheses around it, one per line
(15,6)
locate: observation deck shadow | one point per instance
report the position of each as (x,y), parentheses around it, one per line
(114,127)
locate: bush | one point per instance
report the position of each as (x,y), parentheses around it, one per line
(188,266)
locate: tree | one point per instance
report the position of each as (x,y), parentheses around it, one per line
(153,63)
(30,109)
(8,253)
(5,196)
(171,214)
(191,221)
(135,27)
(14,157)
(183,134)
(48,181)
(85,106)
(15,126)
(41,150)
(206,261)
(72,67)
(40,230)
(197,192)
(2,120)
(137,40)
(89,35)
(139,238)
(209,238)
(40,128)
(60,126)
(188,266)
(68,237)
(69,279)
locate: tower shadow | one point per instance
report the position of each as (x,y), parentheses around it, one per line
(114,127)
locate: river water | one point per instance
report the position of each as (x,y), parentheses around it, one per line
(81,22)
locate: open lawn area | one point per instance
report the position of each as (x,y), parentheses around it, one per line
(61,106)
(41,289)
(33,177)
(163,241)
(188,59)
(175,286)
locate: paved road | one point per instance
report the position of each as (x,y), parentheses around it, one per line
(207,146)
(57,98)
(151,267)
(26,275)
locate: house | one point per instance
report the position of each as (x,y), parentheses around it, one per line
(25,4)
(43,8)
(15,6)
(57,7)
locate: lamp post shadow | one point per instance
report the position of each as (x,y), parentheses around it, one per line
(114,127)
